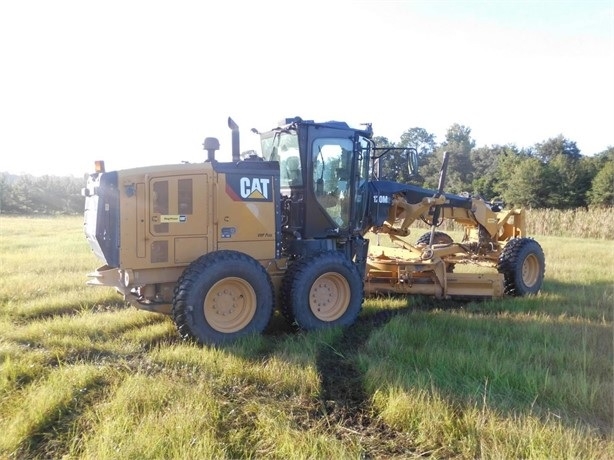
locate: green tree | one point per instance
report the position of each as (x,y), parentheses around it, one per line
(567,179)
(601,159)
(520,180)
(602,190)
(460,169)
(22,196)
(485,163)
(555,146)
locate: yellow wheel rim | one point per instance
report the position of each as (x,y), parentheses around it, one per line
(329,296)
(230,305)
(530,270)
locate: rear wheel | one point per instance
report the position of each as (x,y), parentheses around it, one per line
(323,290)
(522,263)
(222,296)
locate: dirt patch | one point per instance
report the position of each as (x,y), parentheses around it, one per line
(345,407)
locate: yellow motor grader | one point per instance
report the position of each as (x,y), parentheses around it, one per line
(219,245)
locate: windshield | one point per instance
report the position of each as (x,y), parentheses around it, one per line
(282,146)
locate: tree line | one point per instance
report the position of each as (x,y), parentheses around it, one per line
(551,174)
(26,194)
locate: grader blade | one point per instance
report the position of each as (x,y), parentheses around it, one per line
(414,270)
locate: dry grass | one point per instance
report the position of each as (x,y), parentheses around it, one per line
(597,223)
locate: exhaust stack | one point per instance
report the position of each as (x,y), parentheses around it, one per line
(236,151)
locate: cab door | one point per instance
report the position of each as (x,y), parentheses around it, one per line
(330,154)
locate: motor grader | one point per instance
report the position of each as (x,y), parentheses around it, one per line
(219,245)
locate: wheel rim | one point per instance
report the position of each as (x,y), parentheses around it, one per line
(530,270)
(230,305)
(329,296)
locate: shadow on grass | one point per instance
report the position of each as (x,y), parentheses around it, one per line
(64,309)
(50,437)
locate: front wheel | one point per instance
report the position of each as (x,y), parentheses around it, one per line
(323,290)
(222,296)
(523,265)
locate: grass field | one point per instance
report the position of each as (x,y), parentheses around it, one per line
(84,376)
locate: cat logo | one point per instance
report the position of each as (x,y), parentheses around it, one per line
(243,188)
(254,188)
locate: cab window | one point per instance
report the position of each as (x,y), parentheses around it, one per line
(332,162)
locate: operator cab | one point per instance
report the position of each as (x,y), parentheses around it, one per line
(323,171)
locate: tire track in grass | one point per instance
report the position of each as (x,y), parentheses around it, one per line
(344,405)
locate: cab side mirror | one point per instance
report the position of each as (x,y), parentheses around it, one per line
(412,161)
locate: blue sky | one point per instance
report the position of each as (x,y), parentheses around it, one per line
(139,83)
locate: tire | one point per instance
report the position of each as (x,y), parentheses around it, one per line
(438,238)
(222,296)
(322,291)
(522,264)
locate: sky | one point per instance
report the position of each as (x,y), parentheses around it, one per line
(138,83)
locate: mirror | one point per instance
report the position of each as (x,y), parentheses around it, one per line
(412,161)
